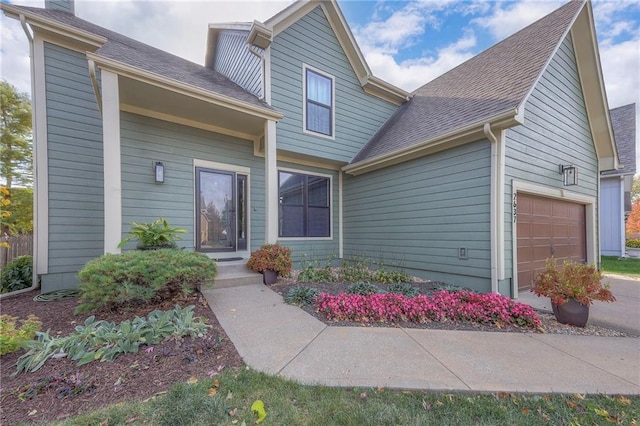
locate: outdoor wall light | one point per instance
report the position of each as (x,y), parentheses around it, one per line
(159,169)
(569,174)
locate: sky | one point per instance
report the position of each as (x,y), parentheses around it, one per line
(404,43)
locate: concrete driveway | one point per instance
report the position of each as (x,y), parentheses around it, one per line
(623,314)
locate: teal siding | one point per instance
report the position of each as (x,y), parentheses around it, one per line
(145,140)
(418,214)
(358,115)
(316,250)
(234,60)
(556,131)
(74,134)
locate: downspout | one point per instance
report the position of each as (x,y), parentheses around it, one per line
(35,283)
(94,83)
(497,208)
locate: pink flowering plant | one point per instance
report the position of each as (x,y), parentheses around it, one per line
(273,257)
(443,306)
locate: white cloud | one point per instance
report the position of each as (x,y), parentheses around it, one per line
(506,19)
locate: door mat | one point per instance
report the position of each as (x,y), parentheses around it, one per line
(228,259)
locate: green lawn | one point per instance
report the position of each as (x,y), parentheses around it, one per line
(226,399)
(620,266)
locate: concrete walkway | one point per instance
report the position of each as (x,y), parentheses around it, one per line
(280,339)
(623,314)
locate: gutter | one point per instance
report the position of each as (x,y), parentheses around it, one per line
(94,82)
(508,118)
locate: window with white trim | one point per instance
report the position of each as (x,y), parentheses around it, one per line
(318,102)
(305,209)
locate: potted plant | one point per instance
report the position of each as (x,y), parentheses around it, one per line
(271,260)
(152,236)
(572,289)
(633,247)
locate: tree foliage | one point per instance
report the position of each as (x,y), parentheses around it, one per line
(15,136)
(633,221)
(19,221)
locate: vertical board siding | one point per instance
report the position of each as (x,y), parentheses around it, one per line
(308,250)
(234,61)
(74,134)
(611,222)
(419,213)
(146,140)
(357,115)
(556,131)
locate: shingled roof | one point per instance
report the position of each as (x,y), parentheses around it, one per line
(623,121)
(133,53)
(491,83)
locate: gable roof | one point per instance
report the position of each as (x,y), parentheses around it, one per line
(370,83)
(113,47)
(492,87)
(623,121)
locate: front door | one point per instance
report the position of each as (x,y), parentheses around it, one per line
(221,223)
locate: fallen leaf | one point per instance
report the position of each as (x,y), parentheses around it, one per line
(571,404)
(32,412)
(525,410)
(438,403)
(213,391)
(380,389)
(426,405)
(257,408)
(132,419)
(216,383)
(104,422)
(233,412)
(578,396)
(623,400)
(192,380)
(502,395)
(234,421)
(363,396)
(229,395)
(601,413)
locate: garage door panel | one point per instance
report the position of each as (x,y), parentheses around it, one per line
(547,227)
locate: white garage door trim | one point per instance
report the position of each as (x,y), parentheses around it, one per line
(559,194)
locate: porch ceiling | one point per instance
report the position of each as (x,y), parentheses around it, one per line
(147,99)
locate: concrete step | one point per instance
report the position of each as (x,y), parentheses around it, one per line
(234,274)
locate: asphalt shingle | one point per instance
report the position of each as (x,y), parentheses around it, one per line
(492,82)
(139,55)
(623,121)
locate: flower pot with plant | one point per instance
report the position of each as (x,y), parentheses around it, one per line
(572,289)
(271,260)
(152,236)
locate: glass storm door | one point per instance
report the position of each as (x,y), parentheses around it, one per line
(221,223)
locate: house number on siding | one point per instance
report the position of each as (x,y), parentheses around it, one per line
(515,207)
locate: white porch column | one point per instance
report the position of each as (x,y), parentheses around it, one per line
(271,182)
(111,159)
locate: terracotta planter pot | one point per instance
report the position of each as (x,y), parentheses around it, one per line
(572,313)
(269,276)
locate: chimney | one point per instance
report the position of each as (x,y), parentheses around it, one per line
(61,5)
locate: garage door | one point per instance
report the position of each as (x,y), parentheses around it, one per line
(547,227)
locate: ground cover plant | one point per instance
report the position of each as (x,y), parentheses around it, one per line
(620,266)
(16,332)
(228,398)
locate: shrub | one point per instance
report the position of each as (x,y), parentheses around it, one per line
(312,274)
(363,288)
(405,289)
(301,296)
(157,234)
(138,277)
(18,274)
(355,269)
(633,243)
(578,281)
(13,336)
(443,306)
(388,277)
(104,341)
(273,257)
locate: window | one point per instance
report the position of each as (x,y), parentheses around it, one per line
(304,205)
(318,102)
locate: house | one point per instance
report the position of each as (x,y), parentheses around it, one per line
(286,135)
(615,185)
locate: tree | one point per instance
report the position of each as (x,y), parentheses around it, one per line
(633,221)
(20,218)
(15,137)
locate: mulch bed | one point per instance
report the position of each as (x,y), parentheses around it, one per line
(128,377)
(549,323)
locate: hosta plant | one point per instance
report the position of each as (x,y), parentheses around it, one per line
(157,234)
(582,282)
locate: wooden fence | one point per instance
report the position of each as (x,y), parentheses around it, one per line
(18,246)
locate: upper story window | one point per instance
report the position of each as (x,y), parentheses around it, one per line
(318,102)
